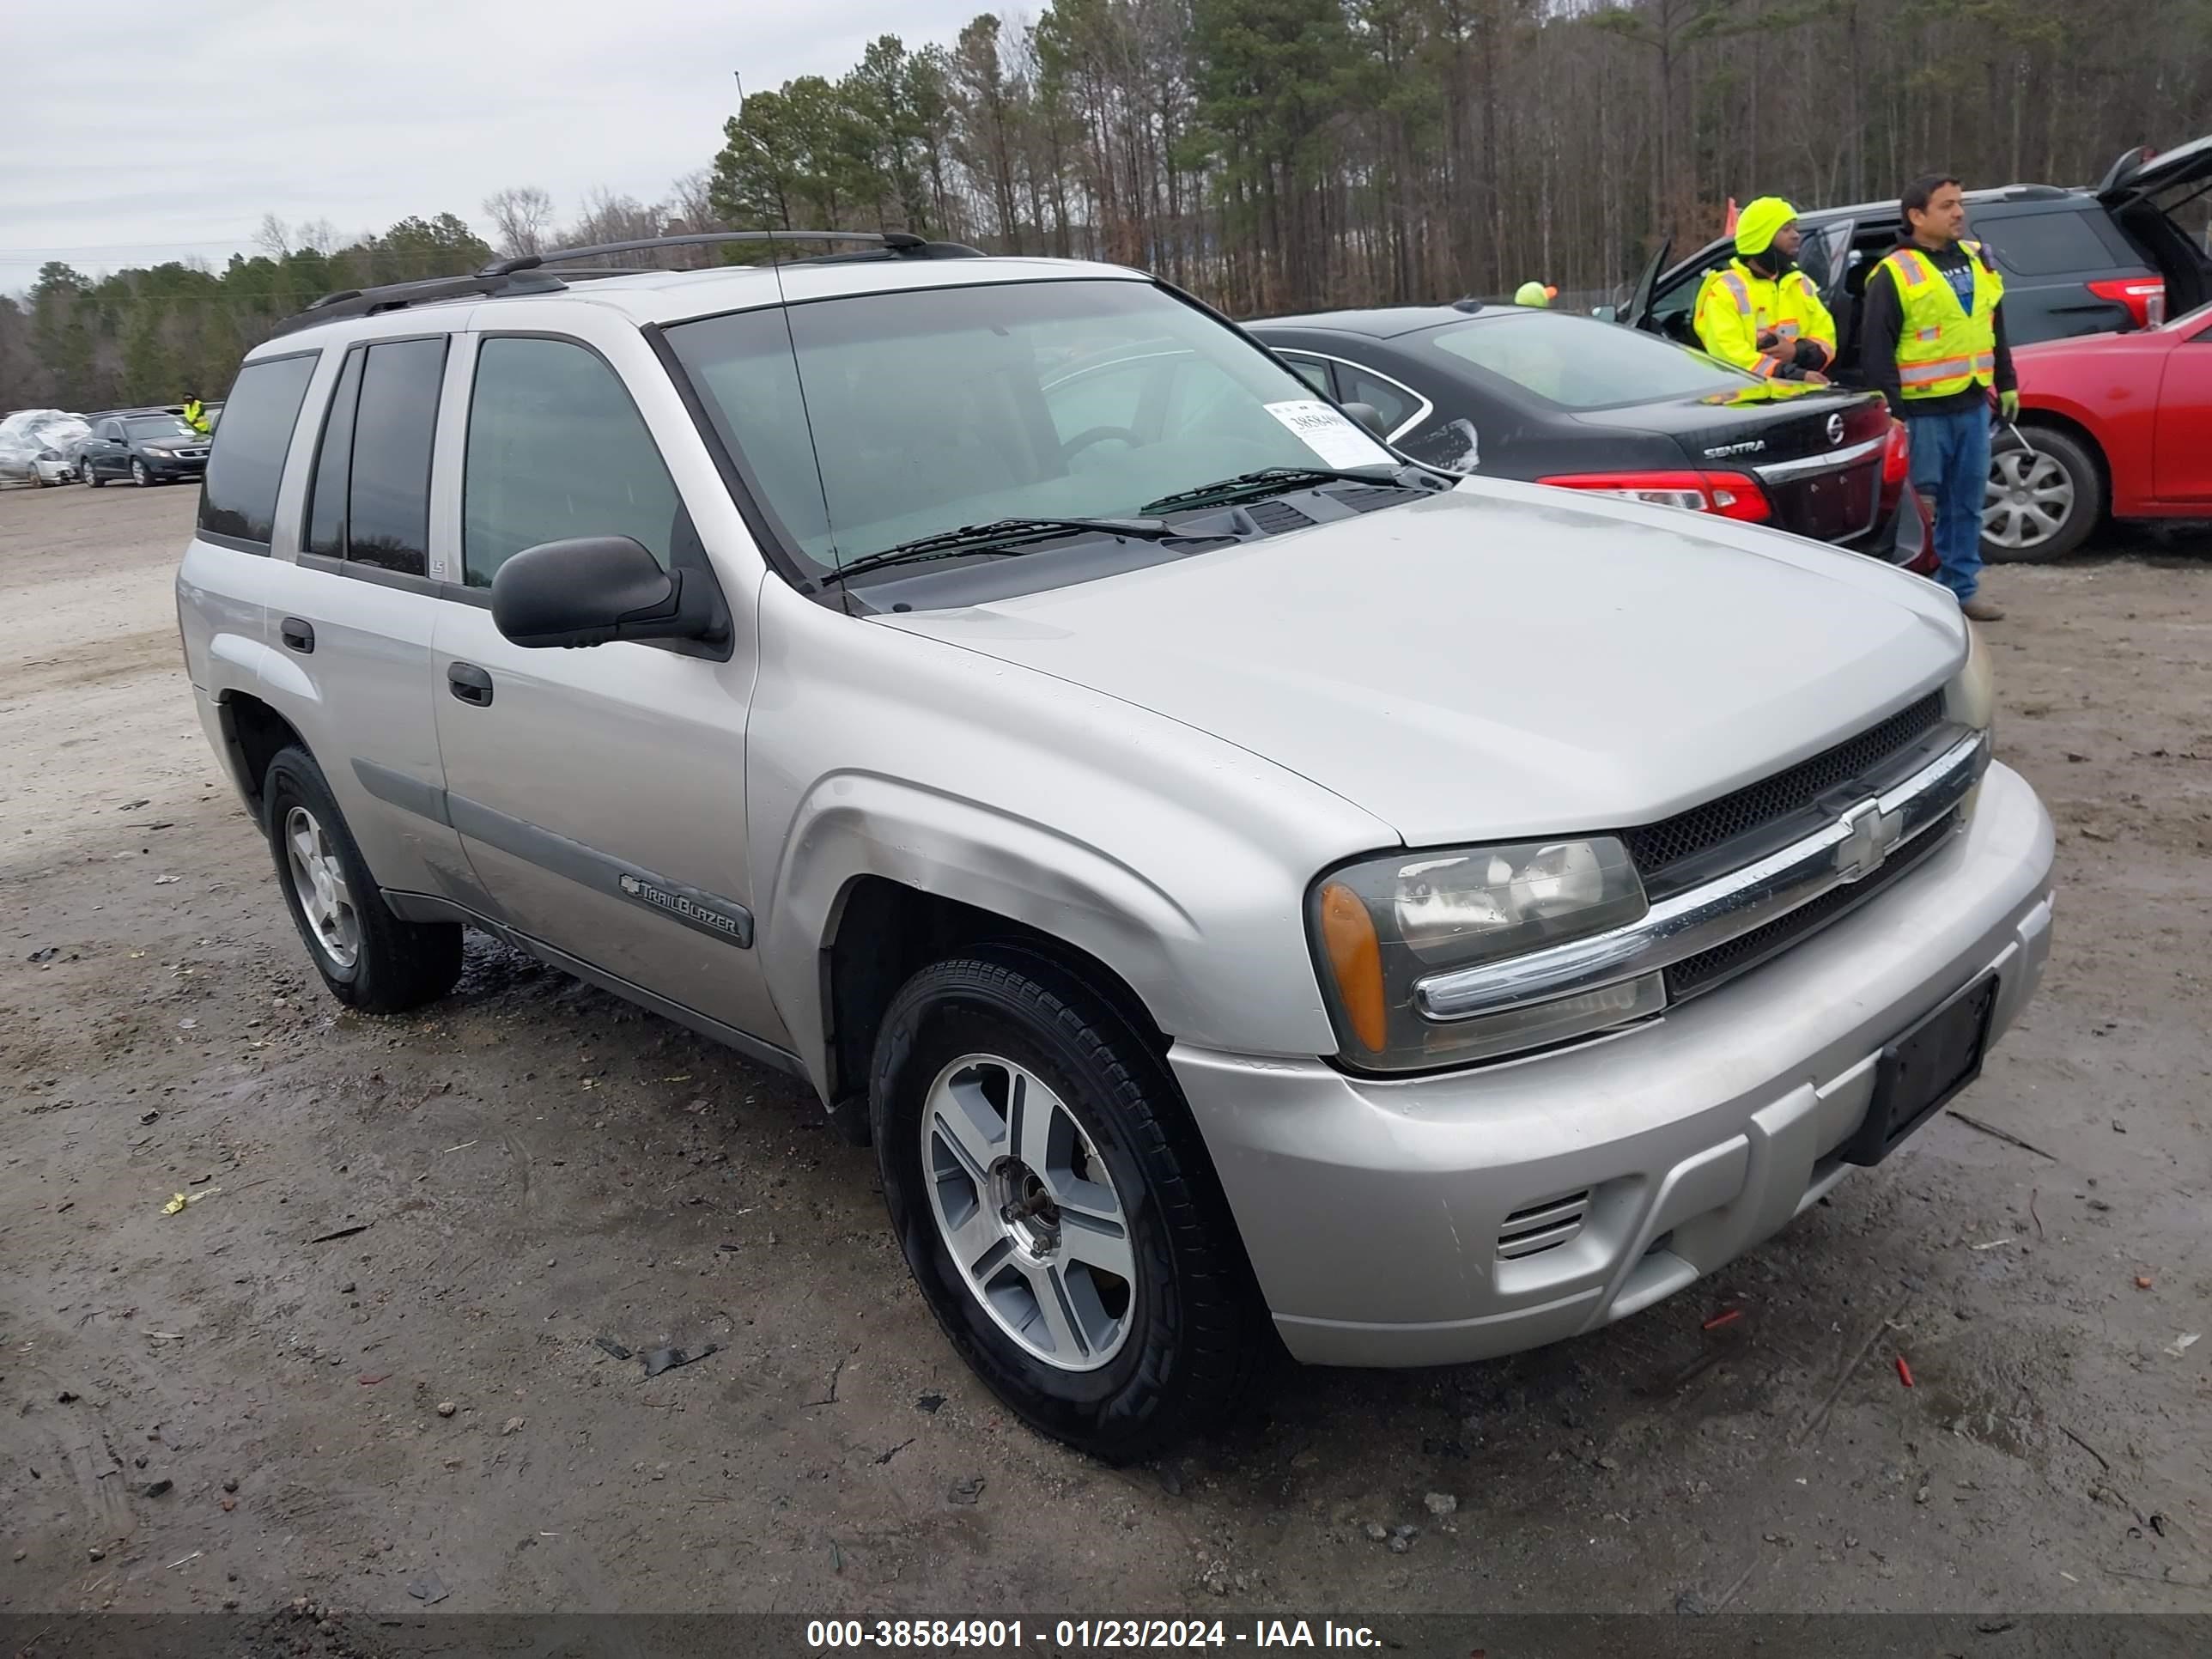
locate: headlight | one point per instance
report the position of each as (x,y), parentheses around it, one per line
(1382,927)
(1970,698)
(159,449)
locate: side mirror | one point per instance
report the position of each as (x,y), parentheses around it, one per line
(593,589)
(1606,314)
(1369,416)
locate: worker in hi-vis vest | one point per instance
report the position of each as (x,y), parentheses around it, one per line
(1932,326)
(1758,311)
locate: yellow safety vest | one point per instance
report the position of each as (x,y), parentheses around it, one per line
(1737,305)
(1943,347)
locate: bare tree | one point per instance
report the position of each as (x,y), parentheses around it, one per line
(608,216)
(318,236)
(273,239)
(693,211)
(521,214)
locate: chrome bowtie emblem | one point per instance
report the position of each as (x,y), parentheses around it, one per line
(1835,428)
(1869,833)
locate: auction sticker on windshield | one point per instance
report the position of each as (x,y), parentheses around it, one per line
(1328,433)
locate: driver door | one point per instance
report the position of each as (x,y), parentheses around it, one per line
(599,793)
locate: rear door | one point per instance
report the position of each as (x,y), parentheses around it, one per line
(600,791)
(349,616)
(2182,449)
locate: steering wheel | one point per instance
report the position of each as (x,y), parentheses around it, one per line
(1098,434)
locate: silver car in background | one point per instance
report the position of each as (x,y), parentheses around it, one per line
(41,447)
(1251,891)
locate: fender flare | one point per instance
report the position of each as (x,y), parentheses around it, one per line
(854,825)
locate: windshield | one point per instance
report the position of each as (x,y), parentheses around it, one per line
(931,409)
(159,426)
(1578,362)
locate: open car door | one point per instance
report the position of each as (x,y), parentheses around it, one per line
(1639,314)
(2146,172)
(2161,200)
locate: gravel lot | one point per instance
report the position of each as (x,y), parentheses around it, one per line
(537,1165)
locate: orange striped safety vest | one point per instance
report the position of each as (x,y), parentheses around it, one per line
(1944,347)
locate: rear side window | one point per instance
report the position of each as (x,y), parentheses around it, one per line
(327,500)
(239,497)
(2045,244)
(1392,402)
(370,501)
(556,449)
(388,505)
(1311,370)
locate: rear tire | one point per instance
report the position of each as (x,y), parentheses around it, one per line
(368,958)
(1056,1206)
(2041,505)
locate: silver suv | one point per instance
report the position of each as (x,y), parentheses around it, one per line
(1248,888)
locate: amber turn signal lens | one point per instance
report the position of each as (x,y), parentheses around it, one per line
(1355,956)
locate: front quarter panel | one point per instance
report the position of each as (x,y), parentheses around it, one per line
(1178,860)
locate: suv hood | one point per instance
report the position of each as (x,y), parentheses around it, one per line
(1500,660)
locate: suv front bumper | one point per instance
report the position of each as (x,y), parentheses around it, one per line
(1389,1222)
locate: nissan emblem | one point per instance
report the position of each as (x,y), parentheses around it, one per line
(1835,428)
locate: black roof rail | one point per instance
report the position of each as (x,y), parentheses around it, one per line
(903,243)
(398,296)
(524,274)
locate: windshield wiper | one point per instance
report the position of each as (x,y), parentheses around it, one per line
(998,533)
(1274,480)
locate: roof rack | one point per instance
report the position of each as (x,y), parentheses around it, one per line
(524,274)
(903,243)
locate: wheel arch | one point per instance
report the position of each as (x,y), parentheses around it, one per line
(2033,419)
(253,734)
(883,932)
(876,868)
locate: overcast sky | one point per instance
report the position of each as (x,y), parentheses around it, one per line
(140,132)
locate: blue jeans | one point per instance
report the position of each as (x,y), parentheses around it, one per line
(1951,468)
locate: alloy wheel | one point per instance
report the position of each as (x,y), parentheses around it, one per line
(1029,1212)
(319,881)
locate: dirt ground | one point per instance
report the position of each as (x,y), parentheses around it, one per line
(537,1165)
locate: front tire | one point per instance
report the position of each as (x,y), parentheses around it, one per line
(92,479)
(139,474)
(1056,1206)
(368,958)
(2041,503)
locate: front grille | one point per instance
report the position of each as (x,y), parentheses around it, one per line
(1702,972)
(1660,848)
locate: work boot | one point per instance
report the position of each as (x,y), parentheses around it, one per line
(1982,609)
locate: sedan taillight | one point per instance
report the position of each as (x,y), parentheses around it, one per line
(1730,495)
(2143,297)
(1896,456)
